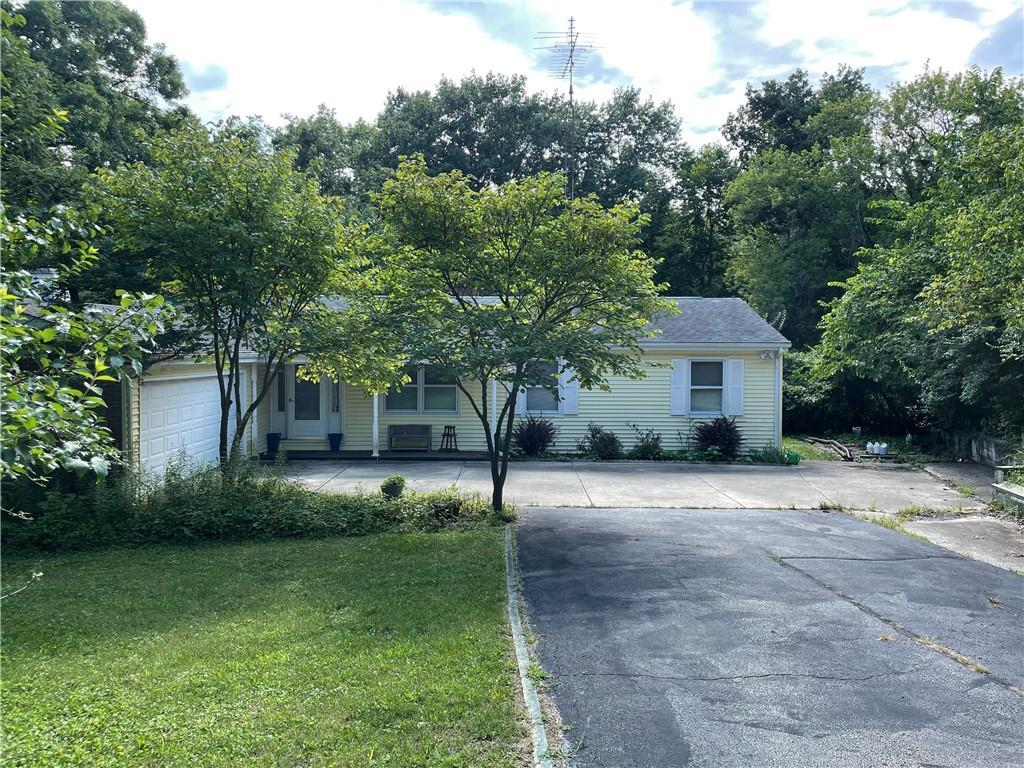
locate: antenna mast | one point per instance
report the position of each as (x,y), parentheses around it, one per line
(568,50)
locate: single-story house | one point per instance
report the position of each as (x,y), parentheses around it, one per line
(716,356)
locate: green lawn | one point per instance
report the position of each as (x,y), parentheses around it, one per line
(377,651)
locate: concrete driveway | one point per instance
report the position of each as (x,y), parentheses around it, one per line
(654,484)
(771,638)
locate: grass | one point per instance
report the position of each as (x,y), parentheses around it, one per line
(808,451)
(894,524)
(385,650)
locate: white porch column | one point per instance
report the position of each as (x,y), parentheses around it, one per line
(376,426)
(494,403)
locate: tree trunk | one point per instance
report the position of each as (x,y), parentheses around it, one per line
(497,481)
(225,413)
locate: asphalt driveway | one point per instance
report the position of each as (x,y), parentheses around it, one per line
(654,484)
(771,638)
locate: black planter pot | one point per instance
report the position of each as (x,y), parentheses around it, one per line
(334,438)
(273,441)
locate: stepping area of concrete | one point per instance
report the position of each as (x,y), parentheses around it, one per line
(654,484)
(722,638)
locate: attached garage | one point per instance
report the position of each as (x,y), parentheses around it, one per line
(178,415)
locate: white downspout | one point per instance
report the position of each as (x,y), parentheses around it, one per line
(376,427)
(778,398)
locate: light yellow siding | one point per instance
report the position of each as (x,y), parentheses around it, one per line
(643,402)
(358,420)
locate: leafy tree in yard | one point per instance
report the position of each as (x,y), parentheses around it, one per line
(493,130)
(55,357)
(941,308)
(799,219)
(934,113)
(566,281)
(92,61)
(246,247)
(55,354)
(794,115)
(695,237)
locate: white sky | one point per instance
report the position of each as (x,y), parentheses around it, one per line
(288,58)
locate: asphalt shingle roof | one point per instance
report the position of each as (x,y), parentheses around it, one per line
(714,321)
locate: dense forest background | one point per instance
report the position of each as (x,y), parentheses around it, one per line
(882,232)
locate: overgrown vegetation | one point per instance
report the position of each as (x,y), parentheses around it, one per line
(646,444)
(808,450)
(534,434)
(600,443)
(381,650)
(195,504)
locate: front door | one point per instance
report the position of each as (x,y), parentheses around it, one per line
(306,407)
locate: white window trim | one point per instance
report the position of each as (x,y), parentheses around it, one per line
(420,386)
(691,386)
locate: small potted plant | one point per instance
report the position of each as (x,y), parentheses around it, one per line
(393,486)
(334,438)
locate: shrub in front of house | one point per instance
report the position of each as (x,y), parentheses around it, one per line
(534,435)
(600,443)
(647,445)
(719,438)
(195,504)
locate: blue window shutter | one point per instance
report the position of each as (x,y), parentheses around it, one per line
(679,394)
(734,387)
(569,392)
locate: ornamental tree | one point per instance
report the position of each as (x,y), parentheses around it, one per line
(247,248)
(493,285)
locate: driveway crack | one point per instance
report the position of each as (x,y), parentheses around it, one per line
(582,484)
(926,642)
(716,489)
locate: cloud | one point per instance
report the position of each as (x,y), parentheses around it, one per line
(255,58)
(212,77)
(1004,47)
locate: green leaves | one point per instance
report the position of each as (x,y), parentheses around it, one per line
(56,358)
(246,247)
(485,283)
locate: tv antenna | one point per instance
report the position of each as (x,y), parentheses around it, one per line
(566,51)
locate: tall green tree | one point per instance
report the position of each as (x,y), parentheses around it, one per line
(694,239)
(116,87)
(790,114)
(494,286)
(799,220)
(938,112)
(246,248)
(493,130)
(940,309)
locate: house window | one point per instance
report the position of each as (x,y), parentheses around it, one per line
(706,377)
(280,390)
(542,399)
(335,397)
(431,390)
(405,399)
(440,393)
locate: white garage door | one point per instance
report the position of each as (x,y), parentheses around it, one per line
(180,415)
